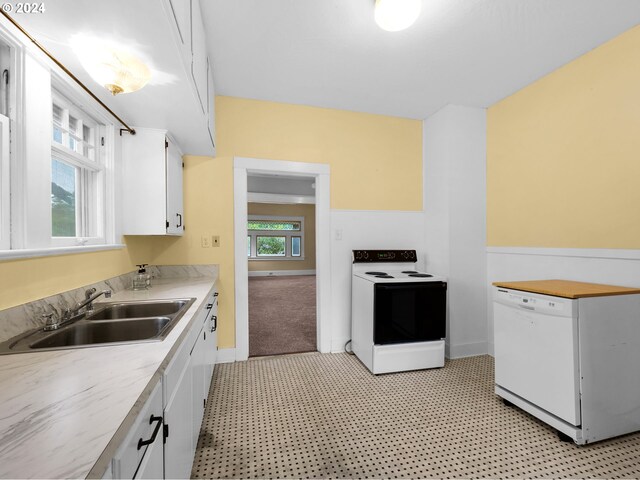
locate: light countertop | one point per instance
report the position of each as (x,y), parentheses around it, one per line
(567,288)
(64,413)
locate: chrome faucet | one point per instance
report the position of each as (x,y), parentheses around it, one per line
(89,296)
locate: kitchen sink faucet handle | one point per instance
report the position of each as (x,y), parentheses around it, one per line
(49,322)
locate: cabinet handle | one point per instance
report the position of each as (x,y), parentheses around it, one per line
(209,306)
(142,443)
(215,294)
(215,323)
(180,224)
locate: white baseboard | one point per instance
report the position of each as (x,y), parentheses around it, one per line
(281,273)
(466,350)
(226,355)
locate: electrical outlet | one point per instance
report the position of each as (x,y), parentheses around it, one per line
(205,241)
(215,240)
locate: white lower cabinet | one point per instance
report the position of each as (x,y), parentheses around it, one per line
(178,447)
(164,436)
(198,376)
(140,455)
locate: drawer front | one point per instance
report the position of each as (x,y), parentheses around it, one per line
(129,456)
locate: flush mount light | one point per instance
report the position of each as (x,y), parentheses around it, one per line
(113,67)
(395,15)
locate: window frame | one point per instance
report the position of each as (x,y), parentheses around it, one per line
(25,192)
(91,186)
(5,184)
(288,234)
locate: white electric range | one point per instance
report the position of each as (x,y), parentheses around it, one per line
(398,313)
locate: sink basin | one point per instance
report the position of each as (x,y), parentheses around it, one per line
(137,310)
(92,333)
(112,323)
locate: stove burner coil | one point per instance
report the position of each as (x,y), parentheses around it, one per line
(376,273)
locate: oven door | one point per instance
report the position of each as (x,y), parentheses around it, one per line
(409,312)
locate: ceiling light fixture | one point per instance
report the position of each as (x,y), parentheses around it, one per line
(395,15)
(116,69)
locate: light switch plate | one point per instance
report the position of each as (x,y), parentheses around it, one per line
(215,240)
(205,241)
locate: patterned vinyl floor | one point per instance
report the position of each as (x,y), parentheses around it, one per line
(324,415)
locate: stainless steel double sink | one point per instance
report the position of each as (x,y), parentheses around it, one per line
(111,323)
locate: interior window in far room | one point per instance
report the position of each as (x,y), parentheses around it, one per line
(275,238)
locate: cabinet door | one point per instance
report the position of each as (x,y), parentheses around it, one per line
(199,51)
(152,464)
(198,385)
(175,211)
(181,11)
(211,104)
(131,455)
(211,352)
(178,449)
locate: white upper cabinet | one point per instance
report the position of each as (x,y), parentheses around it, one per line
(152,184)
(199,51)
(181,11)
(186,21)
(211,103)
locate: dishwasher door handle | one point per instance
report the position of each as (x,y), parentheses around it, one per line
(527,307)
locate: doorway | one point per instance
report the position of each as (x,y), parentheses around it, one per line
(245,168)
(281,252)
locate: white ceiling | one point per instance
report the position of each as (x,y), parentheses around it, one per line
(330,53)
(142,27)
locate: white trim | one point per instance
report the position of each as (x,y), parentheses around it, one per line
(568,252)
(226,355)
(49,252)
(255,197)
(5,197)
(281,273)
(466,350)
(243,166)
(298,169)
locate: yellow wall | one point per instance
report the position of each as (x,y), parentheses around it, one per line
(280,210)
(376,163)
(23,281)
(563,155)
(383,153)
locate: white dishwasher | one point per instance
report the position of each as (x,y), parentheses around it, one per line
(571,362)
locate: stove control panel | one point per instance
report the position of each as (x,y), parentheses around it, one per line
(384,256)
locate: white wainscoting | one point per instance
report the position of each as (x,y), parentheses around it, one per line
(359,230)
(615,267)
(280,273)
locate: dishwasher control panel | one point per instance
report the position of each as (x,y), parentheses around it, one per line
(535,302)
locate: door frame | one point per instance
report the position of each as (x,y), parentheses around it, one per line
(242,166)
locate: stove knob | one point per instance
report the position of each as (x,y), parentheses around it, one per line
(358,255)
(404,255)
(366,255)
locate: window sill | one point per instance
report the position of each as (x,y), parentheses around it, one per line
(277,259)
(49,252)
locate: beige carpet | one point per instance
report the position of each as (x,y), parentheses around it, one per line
(324,415)
(282,315)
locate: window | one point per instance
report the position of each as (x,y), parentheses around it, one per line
(275,238)
(57,160)
(77,176)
